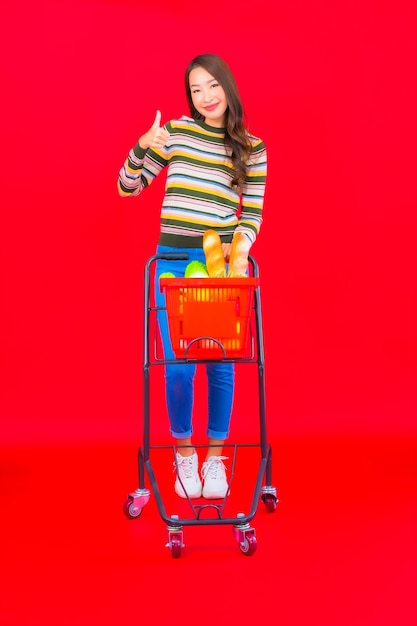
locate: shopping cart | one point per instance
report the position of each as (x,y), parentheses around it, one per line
(209,319)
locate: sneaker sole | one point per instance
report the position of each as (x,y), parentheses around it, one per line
(180,492)
(214,496)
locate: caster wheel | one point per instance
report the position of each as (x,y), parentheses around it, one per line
(248,545)
(130,510)
(176,546)
(270,502)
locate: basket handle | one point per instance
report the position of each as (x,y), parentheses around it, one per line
(183,256)
(193,341)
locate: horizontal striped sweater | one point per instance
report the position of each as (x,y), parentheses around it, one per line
(198,193)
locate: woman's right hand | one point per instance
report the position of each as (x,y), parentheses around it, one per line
(156,137)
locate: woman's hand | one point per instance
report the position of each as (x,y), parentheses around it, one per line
(226,247)
(156,137)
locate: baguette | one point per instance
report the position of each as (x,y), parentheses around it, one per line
(238,262)
(212,246)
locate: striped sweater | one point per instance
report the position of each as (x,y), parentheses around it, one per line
(198,193)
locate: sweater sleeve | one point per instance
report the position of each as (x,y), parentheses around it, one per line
(253,193)
(139,170)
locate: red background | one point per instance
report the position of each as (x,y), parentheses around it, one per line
(331,88)
(332,91)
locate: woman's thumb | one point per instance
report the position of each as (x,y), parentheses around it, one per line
(157,121)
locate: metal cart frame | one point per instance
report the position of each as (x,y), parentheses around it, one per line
(243,532)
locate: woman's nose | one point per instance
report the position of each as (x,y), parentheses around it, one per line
(207,95)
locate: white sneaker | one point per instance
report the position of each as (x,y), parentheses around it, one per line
(188,473)
(213,472)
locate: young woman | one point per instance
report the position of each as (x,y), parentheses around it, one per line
(215,180)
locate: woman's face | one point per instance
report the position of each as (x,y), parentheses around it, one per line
(208,97)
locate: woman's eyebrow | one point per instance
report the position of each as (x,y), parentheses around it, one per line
(211,80)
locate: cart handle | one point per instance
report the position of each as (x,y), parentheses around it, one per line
(183,256)
(172,256)
(169,256)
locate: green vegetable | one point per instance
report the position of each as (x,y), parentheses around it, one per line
(167,275)
(196,269)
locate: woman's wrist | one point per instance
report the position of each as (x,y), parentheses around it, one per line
(142,143)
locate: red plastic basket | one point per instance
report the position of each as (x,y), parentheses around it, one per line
(209,317)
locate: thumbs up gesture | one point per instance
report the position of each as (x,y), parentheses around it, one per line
(156,137)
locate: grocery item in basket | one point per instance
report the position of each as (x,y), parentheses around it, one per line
(238,262)
(212,246)
(196,269)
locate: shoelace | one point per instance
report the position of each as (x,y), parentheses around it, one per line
(212,467)
(185,466)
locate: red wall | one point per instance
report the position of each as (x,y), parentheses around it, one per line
(331,88)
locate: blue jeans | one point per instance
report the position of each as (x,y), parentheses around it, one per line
(179,378)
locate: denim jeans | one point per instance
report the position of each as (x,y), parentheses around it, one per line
(179,378)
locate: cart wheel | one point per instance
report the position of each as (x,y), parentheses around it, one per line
(131,511)
(175,545)
(249,544)
(270,502)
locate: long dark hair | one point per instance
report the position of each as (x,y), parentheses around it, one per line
(236,136)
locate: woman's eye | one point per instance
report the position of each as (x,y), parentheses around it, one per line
(214,85)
